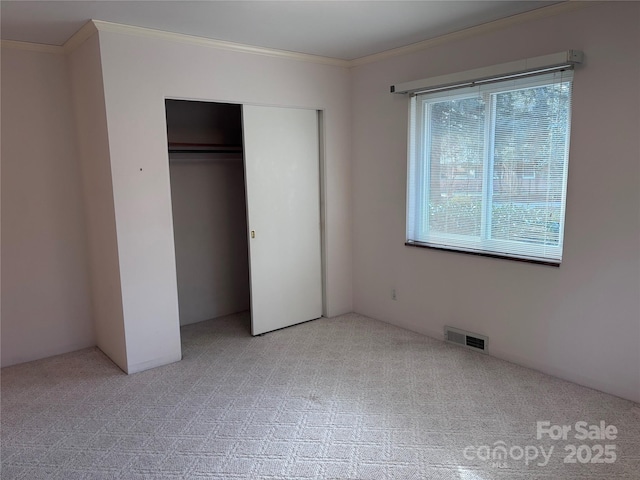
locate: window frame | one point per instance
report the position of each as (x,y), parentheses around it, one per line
(419,174)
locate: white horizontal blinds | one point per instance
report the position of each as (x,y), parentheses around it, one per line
(490,165)
(456,151)
(530,153)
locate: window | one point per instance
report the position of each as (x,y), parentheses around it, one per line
(488,167)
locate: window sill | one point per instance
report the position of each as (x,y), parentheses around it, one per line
(481,254)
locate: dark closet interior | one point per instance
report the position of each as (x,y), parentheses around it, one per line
(209,208)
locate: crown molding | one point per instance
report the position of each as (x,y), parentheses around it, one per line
(32,47)
(539,13)
(217,44)
(81,36)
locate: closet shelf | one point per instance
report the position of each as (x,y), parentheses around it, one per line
(175,147)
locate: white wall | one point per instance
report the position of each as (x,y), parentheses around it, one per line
(45,291)
(139,73)
(580,321)
(210,230)
(88,100)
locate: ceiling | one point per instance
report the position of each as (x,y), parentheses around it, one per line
(338,29)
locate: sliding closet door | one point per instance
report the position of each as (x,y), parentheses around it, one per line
(283,209)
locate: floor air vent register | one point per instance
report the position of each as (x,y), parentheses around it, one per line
(466,339)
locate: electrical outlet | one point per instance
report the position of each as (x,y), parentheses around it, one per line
(393,294)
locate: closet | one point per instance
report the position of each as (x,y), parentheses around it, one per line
(209,208)
(245,192)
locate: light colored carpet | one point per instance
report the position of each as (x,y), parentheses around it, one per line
(342,398)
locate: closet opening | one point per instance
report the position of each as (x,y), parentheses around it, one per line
(208,198)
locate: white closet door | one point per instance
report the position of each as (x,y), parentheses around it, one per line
(283,210)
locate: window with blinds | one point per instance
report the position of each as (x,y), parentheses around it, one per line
(488,167)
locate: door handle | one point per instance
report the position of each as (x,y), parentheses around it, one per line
(253,234)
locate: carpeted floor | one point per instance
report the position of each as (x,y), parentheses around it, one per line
(342,398)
